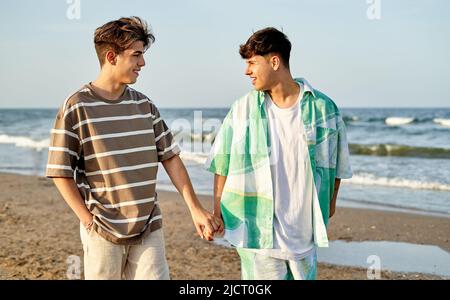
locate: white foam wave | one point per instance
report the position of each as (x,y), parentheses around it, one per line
(394,121)
(443,122)
(369,179)
(198,137)
(197,157)
(24,142)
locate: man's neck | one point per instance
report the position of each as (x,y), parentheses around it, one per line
(108,88)
(285,93)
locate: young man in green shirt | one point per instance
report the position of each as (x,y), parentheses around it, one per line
(278,161)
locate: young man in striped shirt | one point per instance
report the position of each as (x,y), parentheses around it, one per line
(105,148)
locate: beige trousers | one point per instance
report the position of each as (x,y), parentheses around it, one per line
(106,260)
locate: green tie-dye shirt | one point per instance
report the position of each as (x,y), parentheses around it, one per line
(241,152)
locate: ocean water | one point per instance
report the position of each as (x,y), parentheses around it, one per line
(400,157)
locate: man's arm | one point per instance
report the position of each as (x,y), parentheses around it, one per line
(69,191)
(203,220)
(337,182)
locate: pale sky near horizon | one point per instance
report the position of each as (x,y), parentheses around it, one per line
(401,59)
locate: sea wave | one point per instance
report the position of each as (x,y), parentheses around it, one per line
(24,142)
(357,149)
(195,137)
(391,121)
(351,118)
(197,157)
(443,122)
(376,119)
(369,179)
(396,121)
(399,150)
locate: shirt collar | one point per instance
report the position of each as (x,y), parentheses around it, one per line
(306,85)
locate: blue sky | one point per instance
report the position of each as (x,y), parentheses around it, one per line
(399,60)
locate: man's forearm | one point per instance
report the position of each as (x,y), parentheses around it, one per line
(69,191)
(219,183)
(205,223)
(180,178)
(337,183)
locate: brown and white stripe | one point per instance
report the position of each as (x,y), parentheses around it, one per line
(112,150)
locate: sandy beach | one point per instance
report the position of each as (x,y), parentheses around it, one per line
(38,232)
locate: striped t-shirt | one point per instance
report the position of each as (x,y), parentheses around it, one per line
(112,149)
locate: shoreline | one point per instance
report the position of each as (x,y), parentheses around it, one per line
(39,232)
(350,203)
(344,198)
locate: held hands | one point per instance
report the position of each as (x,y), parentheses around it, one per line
(207,224)
(209,236)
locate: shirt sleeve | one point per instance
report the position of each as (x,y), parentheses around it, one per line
(64,148)
(166,145)
(218,161)
(343,168)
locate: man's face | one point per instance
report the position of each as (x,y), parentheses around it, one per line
(260,71)
(129,63)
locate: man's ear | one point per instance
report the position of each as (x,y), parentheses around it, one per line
(275,62)
(111,57)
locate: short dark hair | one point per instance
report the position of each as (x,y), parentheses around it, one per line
(118,35)
(265,41)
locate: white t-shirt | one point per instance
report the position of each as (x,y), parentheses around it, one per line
(293,229)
